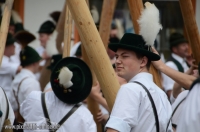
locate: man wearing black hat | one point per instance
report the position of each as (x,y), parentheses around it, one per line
(179,49)
(140,105)
(8,69)
(71,81)
(45,31)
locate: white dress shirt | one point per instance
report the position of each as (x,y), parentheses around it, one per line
(177,114)
(41,51)
(190,116)
(133,112)
(28,85)
(3,108)
(80,121)
(168,83)
(15,58)
(7,72)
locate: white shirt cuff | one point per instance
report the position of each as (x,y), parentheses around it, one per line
(118,124)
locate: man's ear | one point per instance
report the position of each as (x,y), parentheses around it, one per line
(174,49)
(144,61)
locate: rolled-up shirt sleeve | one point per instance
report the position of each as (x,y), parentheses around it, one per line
(118,124)
(124,115)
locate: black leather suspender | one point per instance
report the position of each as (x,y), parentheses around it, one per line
(153,105)
(63,119)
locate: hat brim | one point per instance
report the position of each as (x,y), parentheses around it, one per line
(77,96)
(152,56)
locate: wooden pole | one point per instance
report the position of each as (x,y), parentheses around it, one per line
(60,29)
(67,33)
(106,20)
(136,8)
(191,27)
(93,106)
(4,26)
(95,49)
(18,6)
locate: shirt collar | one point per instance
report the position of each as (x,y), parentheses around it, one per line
(28,72)
(178,58)
(142,75)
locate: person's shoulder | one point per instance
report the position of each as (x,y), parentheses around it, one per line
(131,86)
(34,95)
(171,64)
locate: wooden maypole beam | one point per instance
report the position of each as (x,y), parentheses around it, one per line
(60,29)
(95,49)
(136,7)
(93,106)
(191,27)
(4,26)
(106,20)
(67,33)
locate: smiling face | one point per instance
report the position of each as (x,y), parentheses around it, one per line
(182,50)
(128,64)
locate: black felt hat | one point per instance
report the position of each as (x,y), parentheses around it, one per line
(176,39)
(27,55)
(135,43)
(81,79)
(54,60)
(47,27)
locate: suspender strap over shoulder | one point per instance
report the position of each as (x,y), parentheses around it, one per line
(7,109)
(153,105)
(179,66)
(63,119)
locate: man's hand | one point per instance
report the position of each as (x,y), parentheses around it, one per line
(102,118)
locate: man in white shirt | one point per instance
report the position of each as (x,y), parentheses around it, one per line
(9,69)
(190,116)
(179,49)
(25,81)
(4,106)
(71,81)
(133,110)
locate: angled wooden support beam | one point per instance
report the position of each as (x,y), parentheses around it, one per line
(4,26)
(191,27)
(106,20)
(95,49)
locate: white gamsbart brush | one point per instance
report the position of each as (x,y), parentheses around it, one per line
(65,77)
(149,23)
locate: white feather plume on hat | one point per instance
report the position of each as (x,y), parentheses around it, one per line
(65,77)
(149,23)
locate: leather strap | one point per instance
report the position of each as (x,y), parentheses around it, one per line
(174,113)
(179,66)
(153,105)
(18,88)
(63,119)
(6,117)
(45,111)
